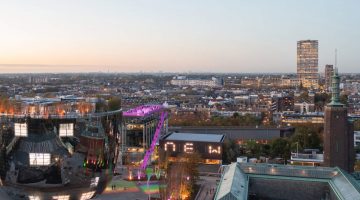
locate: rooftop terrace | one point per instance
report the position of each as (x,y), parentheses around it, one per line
(142,111)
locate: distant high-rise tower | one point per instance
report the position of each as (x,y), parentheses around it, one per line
(338,131)
(307,63)
(329,71)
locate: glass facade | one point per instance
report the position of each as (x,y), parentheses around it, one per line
(307,63)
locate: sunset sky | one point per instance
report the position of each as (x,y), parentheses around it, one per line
(175,35)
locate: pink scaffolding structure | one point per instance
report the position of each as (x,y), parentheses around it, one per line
(142,111)
(155,139)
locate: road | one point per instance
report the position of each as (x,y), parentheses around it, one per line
(208,187)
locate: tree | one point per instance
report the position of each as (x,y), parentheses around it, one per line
(307,137)
(253,149)
(265,150)
(357,125)
(344,99)
(236,115)
(192,161)
(301,87)
(320,100)
(114,104)
(100,106)
(231,151)
(357,149)
(280,147)
(357,166)
(304,95)
(183,175)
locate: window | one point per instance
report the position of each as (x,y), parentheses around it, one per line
(61,197)
(39,159)
(34,198)
(87,195)
(66,130)
(20,129)
(94,182)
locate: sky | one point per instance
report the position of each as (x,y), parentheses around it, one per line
(239,36)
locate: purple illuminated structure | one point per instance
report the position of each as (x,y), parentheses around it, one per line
(142,111)
(153,142)
(141,124)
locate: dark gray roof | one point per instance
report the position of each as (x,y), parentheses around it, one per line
(196,137)
(237,133)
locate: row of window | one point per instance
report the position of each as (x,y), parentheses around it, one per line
(39,159)
(84,196)
(65,130)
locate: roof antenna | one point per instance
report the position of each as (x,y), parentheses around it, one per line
(335,58)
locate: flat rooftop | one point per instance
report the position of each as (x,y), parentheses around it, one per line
(269,181)
(142,111)
(195,137)
(236,132)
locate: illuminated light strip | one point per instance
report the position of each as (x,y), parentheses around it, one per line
(211,150)
(153,142)
(188,147)
(172,144)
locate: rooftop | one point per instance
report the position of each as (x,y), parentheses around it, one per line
(342,184)
(195,137)
(234,184)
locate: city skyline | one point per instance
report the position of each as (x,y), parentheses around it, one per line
(204,36)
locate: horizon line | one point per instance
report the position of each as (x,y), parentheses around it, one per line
(108,70)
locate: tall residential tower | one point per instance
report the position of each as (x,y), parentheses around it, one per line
(307,63)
